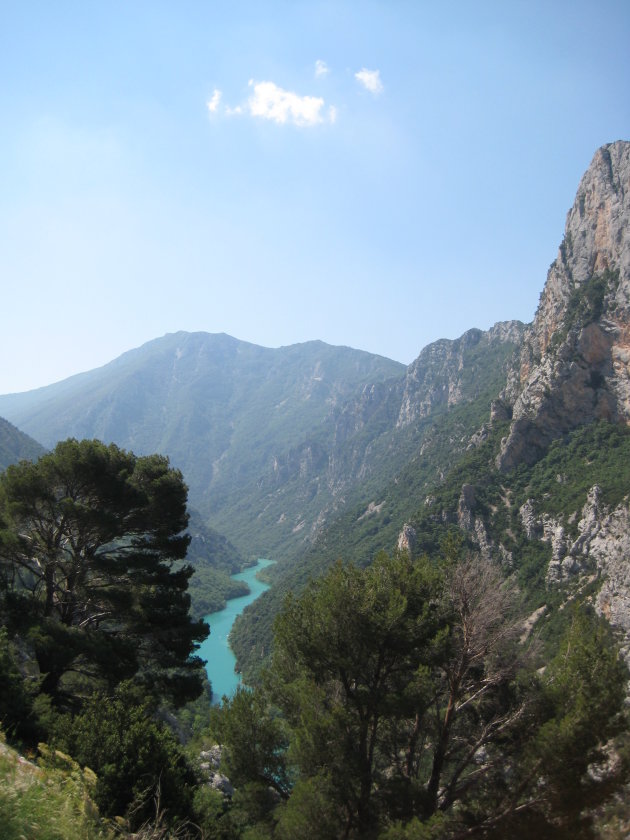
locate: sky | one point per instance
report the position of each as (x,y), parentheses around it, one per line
(371,174)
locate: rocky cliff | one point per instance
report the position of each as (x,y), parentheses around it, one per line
(449,372)
(575,364)
(574,370)
(372,436)
(587,545)
(561,522)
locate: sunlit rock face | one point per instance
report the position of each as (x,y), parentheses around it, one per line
(575,364)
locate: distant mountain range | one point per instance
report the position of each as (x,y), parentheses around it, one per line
(226,412)
(272,443)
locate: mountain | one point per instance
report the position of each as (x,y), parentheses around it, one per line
(16,446)
(273,444)
(364,442)
(535,471)
(223,410)
(515,438)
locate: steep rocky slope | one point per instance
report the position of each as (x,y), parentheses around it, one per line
(574,370)
(542,484)
(575,363)
(396,465)
(368,440)
(558,509)
(448,372)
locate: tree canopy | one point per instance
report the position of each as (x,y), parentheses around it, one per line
(412,708)
(92,546)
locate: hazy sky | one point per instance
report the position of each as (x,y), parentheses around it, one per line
(376,174)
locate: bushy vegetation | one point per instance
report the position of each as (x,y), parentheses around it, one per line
(97,641)
(135,757)
(402,699)
(48,802)
(402,703)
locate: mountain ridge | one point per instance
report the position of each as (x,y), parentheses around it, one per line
(298,474)
(221,409)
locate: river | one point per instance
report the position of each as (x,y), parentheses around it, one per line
(215,649)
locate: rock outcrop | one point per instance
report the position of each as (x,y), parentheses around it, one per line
(574,367)
(407,539)
(598,546)
(610,548)
(209,764)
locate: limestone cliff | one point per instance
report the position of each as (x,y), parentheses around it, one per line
(574,367)
(585,545)
(448,372)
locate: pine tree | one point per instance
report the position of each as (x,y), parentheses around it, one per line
(92,550)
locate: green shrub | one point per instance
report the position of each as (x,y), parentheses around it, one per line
(137,759)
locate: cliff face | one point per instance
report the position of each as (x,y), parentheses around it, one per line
(573,370)
(371,437)
(449,372)
(575,364)
(598,548)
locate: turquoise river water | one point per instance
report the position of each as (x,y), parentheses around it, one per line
(215,649)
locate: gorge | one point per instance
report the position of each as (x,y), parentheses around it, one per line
(447,630)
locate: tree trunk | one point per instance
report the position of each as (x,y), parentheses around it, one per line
(49,580)
(438,756)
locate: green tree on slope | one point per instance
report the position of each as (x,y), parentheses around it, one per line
(413,710)
(396,680)
(90,549)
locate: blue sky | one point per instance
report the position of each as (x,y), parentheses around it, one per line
(375,174)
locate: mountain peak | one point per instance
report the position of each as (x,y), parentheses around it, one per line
(575,363)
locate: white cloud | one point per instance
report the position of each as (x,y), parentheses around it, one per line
(332,114)
(282,106)
(213,103)
(321,68)
(370,79)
